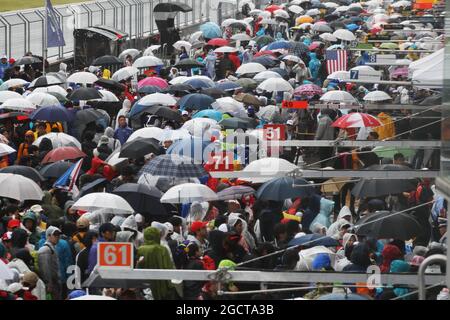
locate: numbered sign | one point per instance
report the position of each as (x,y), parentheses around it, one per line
(274,132)
(294,104)
(221,161)
(115,255)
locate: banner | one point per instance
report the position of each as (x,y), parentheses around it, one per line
(55,37)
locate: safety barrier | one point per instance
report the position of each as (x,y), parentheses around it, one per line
(22,31)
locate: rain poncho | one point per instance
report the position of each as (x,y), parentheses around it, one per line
(314,66)
(323,218)
(387,130)
(164,232)
(247,240)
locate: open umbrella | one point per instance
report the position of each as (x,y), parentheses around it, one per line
(19,104)
(199,125)
(235,193)
(214,92)
(161,99)
(5,149)
(248,99)
(357,120)
(153,81)
(250,68)
(161,111)
(343,34)
(149,90)
(237,123)
(389,152)
(6,272)
(27,60)
(140,147)
(103,202)
(247,84)
(42,99)
(148,62)
(377,96)
(389,225)
(195,101)
(85,94)
(211,30)
(106,61)
(25,171)
(226,49)
(269,113)
(308,90)
(343,296)
(59,140)
(134,53)
(52,113)
(189,193)
(12,83)
(228,86)
(275,85)
(241,37)
(279,189)
(147,133)
(267,168)
(82,78)
(328,37)
(143,198)
(189,64)
(124,73)
(192,147)
(55,170)
(231,106)
(179,89)
(267,61)
(312,240)
(321,28)
(52,89)
(382,187)
(110,84)
(208,113)
(266,75)
(174,166)
(338,96)
(200,83)
(6,95)
(182,44)
(18,187)
(218,42)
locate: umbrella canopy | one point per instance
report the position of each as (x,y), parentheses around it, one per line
(161,99)
(275,84)
(85,94)
(389,152)
(269,113)
(179,89)
(227,85)
(338,96)
(6,272)
(18,187)
(144,199)
(189,64)
(108,96)
(93,297)
(241,37)
(189,193)
(211,30)
(161,111)
(345,35)
(124,73)
(248,99)
(153,81)
(12,83)
(52,113)
(267,168)
(267,61)
(19,104)
(5,149)
(226,49)
(149,90)
(314,239)
(25,171)
(106,61)
(321,28)
(308,90)
(147,133)
(277,45)
(200,83)
(264,40)
(343,296)
(59,140)
(218,42)
(140,147)
(195,101)
(41,99)
(6,95)
(182,44)
(98,185)
(247,85)
(148,62)
(192,147)
(231,106)
(174,166)
(328,37)
(267,75)
(82,78)
(210,114)
(237,123)
(280,189)
(376,96)
(382,187)
(27,60)
(45,81)
(385,225)
(250,68)
(52,89)
(104,203)
(198,126)
(134,53)
(110,84)
(56,169)
(357,120)
(339,75)
(235,193)
(174,135)
(63,153)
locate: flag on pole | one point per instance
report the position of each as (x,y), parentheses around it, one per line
(55,37)
(336,60)
(68,179)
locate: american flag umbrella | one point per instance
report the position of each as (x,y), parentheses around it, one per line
(308,90)
(170,165)
(357,120)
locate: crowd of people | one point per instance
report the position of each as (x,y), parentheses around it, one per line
(41,239)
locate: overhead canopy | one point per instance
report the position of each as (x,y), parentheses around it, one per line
(428,72)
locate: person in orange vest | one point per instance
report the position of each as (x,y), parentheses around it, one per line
(23,148)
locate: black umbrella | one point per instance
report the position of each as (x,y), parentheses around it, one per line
(110,84)
(179,89)
(312,240)
(27,60)
(149,90)
(62,99)
(388,225)
(267,61)
(426,121)
(144,199)
(94,186)
(280,189)
(433,100)
(264,40)
(161,111)
(86,116)
(107,61)
(237,123)
(189,64)
(25,171)
(45,81)
(56,169)
(214,92)
(337,25)
(140,147)
(85,94)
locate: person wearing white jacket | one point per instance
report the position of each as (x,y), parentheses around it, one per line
(344,217)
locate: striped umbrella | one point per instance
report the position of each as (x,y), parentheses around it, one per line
(357,120)
(170,165)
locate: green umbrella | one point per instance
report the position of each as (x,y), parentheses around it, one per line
(389,152)
(389,45)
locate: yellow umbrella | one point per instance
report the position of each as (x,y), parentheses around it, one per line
(304,19)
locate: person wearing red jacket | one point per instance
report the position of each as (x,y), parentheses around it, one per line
(235,59)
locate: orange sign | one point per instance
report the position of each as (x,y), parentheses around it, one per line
(115,255)
(294,104)
(221,161)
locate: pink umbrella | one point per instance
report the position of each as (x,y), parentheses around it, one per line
(314,45)
(399,72)
(357,120)
(153,81)
(308,90)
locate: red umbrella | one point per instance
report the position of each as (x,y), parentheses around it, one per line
(218,42)
(272,8)
(357,120)
(63,153)
(264,53)
(153,81)
(314,45)
(309,90)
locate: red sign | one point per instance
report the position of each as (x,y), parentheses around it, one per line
(274,132)
(221,161)
(115,255)
(294,104)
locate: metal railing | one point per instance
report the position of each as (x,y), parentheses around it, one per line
(22,31)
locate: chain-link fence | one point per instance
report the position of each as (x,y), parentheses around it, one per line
(22,32)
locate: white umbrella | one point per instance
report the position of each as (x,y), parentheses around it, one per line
(158,99)
(343,34)
(402,3)
(296,9)
(174,135)
(82,78)
(249,68)
(180,44)
(268,113)
(228,104)
(198,126)
(11,83)
(179,80)
(93,297)
(339,75)
(313,12)
(6,95)
(196,37)
(226,49)
(267,75)
(342,8)
(376,96)
(132,52)
(5,272)
(150,50)
(188,193)
(307,257)
(269,21)
(331,4)
(147,62)
(328,37)
(338,96)
(281,13)
(275,84)
(18,187)
(59,139)
(114,159)
(380,18)
(54,89)
(19,104)
(5,149)
(108,96)
(363,68)
(255,12)
(292,58)
(150,132)
(125,73)
(104,202)
(43,99)
(241,37)
(267,168)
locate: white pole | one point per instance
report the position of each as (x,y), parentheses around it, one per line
(44,58)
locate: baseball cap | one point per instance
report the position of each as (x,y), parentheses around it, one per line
(13,223)
(37,208)
(52,231)
(197,225)
(4,57)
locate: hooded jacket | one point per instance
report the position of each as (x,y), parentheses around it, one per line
(389,254)
(49,268)
(113,143)
(387,130)
(359,259)
(33,234)
(130,224)
(334,229)
(216,250)
(323,218)
(314,65)
(324,129)
(155,256)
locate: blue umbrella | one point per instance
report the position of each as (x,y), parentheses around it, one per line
(52,114)
(198,84)
(149,90)
(280,189)
(352,27)
(228,86)
(211,30)
(194,147)
(343,296)
(209,113)
(267,61)
(312,240)
(279,45)
(196,101)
